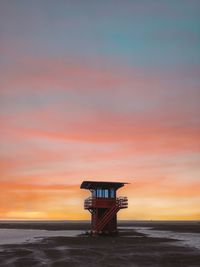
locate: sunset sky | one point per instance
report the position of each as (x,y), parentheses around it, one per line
(99,90)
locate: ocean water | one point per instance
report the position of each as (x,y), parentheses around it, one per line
(18,236)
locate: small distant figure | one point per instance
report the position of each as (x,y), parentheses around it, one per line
(104,205)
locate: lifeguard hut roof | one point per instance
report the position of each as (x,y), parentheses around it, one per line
(101,184)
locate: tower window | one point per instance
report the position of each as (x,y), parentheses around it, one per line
(101,193)
(112,193)
(106,193)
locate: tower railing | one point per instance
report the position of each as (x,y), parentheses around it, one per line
(120,202)
(88,203)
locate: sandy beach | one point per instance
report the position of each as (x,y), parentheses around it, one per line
(134,246)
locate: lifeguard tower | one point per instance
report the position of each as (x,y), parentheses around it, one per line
(104,205)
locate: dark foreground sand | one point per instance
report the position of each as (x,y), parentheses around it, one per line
(130,248)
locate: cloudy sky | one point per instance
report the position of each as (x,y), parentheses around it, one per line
(100,90)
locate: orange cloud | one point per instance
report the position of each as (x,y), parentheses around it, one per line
(26,201)
(56,201)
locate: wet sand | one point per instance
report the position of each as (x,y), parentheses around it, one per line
(130,248)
